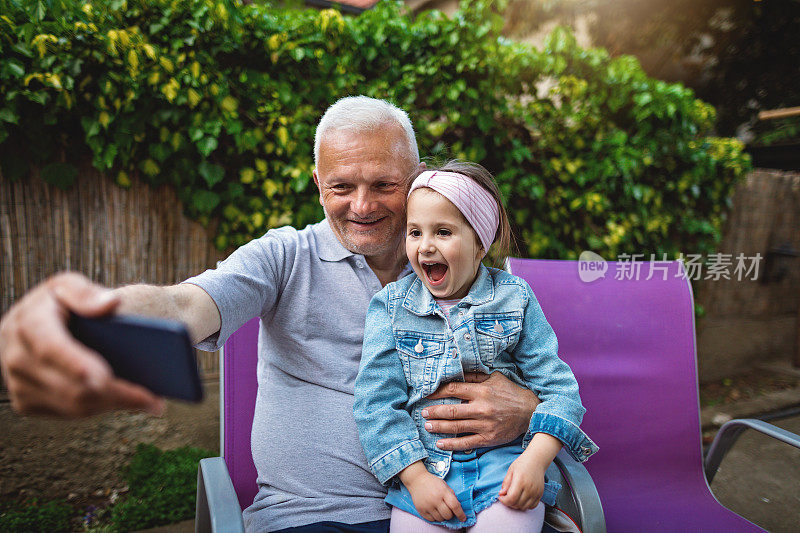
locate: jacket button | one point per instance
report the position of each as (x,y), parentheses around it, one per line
(467,336)
(440,466)
(461,313)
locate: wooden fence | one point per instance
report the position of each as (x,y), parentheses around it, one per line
(750,322)
(115,236)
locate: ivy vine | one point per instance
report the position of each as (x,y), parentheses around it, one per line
(221,100)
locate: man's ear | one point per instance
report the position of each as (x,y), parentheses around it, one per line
(316,182)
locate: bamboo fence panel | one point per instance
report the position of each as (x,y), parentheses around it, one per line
(114,236)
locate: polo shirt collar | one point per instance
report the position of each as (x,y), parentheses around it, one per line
(419,300)
(328,246)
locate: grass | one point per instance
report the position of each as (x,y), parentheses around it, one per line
(163,488)
(162,491)
(35,517)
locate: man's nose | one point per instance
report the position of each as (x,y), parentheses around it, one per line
(363,204)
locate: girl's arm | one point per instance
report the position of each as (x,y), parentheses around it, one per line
(523,485)
(432,497)
(388,434)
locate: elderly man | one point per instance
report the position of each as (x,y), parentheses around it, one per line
(311,289)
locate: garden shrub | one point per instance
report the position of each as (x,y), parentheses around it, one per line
(33,517)
(163,487)
(221,100)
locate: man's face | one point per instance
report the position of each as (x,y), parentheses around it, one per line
(362,183)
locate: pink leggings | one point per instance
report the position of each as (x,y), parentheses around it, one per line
(496,517)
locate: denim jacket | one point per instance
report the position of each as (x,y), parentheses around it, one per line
(410,349)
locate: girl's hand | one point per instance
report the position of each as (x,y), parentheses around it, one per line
(434,500)
(523,485)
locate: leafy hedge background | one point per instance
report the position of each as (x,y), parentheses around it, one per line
(221,100)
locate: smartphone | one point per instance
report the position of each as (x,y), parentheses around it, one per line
(153,352)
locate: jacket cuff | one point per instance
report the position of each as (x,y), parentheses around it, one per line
(392,463)
(575,441)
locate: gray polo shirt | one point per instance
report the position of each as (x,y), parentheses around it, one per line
(312,296)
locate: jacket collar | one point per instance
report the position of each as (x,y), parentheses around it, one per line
(419,299)
(328,246)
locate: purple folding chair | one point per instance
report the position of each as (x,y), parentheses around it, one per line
(631,345)
(624,340)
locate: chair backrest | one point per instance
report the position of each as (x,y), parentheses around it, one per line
(631,345)
(239,388)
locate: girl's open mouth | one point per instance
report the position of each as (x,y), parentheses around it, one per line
(435,272)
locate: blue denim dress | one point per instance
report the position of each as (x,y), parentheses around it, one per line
(411,347)
(476,477)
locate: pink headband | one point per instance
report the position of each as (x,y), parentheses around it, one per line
(475,203)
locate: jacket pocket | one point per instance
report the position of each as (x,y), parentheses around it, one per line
(420,354)
(497,332)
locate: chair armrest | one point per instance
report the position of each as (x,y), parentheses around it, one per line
(217,509)
(731,431)
(578,496)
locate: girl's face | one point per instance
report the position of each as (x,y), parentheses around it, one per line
(441,245)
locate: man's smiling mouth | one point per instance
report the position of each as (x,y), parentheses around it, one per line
(366,224)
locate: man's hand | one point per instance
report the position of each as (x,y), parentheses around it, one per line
(433,499)
(46,370)
(496,411)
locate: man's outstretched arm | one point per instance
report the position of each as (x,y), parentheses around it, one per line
(495,411)
(48,372)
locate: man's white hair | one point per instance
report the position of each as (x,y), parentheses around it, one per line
(364,114)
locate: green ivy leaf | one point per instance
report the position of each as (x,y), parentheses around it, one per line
(6,115)
(211,173)
(15,68)
(37,11)
(62,175)
(22,48)
(14,167)
(90,126)
(205,201)
(109,155)
(206,145)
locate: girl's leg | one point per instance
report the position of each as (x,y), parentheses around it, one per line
(403,522)
(498,517)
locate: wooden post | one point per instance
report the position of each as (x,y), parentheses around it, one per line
(779,113)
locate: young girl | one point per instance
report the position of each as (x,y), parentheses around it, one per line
(454,315)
